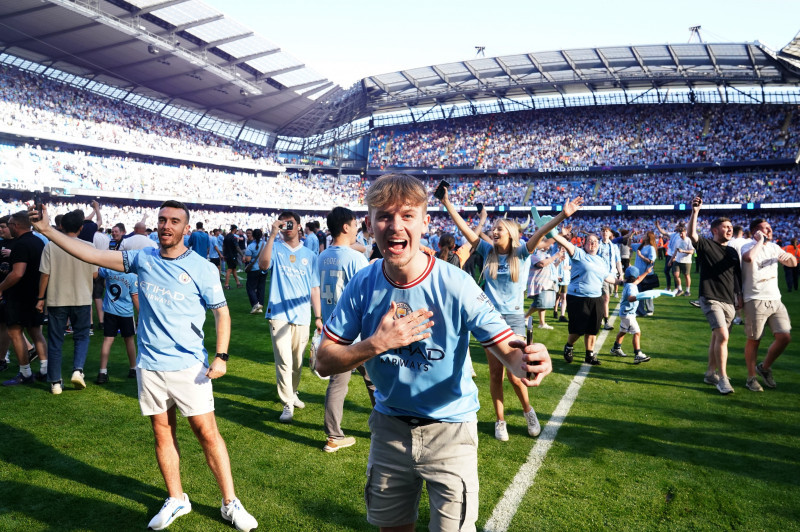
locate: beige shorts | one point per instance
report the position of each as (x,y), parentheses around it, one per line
(402,456)
(190,389)
(718,313)
(608,288)
(759,312)
(629,325)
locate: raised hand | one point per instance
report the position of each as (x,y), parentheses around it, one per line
(571,207)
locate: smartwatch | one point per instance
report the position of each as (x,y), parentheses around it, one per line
(223,356)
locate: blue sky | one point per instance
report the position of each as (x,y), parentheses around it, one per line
(348,40)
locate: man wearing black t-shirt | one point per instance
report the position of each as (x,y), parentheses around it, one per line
(231,252)
(720,291)
(20,290)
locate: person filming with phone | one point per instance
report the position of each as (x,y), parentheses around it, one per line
(294,283)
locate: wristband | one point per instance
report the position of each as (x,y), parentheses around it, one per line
(223,356)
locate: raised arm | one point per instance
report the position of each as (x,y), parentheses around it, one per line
(103,258)
(471,236)
(563,242)
(661,229)
(265,257)
(697,202)
(570,208)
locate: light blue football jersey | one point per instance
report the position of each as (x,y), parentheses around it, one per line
(506,295)
(628,308)
(426,378)
(337,265)
(294,274)
(588,274)
(174,295)
(119,289)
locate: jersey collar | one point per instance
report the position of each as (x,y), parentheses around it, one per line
(415,282)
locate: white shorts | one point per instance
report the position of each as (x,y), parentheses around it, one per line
(190,389)
(629,325)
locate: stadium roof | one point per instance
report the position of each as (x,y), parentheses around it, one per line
(178,50)
(189,55)
(566,72)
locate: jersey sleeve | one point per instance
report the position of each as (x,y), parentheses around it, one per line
(484,248)
(210,287)
(133,285)
(130,261)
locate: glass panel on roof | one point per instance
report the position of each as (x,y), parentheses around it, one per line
(219,29)
(585,54)
(652,51)
(393,77)
(422,73)
(483,64)
(297,77)
(548,58)
(729,50)
(185,12)
(453,68)
(516,60)
(141,4)
(248,46)
(273,62)
(690,50)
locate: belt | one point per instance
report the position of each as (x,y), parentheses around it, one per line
(417,421)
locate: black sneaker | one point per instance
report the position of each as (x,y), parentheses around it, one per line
(563,319)
(19,379)
(41,377)
(102,378)
(568,349)
(131,373)
(32,355)
(3,365)
(591,359)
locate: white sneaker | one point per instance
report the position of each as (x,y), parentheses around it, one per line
(55,388)
(288,413)
(254,310)
(724,386)
(172,509)
(500,431)
(235,513)
(545,326)
(298,403)
(77,380)
(534,429)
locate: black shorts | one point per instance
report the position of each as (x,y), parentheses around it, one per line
(23,313)
(231,263)
(98,288)
(113,323)
(2,311)
(585,314)
(215,261)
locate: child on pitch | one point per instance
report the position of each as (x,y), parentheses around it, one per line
(627,315)
(121,297)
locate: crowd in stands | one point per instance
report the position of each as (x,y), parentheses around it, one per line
(36,168)
(593,136)
(44,105)
(648,189)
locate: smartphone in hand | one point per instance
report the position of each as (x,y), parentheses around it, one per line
(37,202)
(439,194)
(479,206)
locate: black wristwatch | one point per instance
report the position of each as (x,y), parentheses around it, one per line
(223,356)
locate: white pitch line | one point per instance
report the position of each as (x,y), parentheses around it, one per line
(505,510)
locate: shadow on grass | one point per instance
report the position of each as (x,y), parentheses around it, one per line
(709,448)
(25,451)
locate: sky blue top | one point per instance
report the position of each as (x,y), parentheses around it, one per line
(119,288)
(426,378)
(337,265)
(200,242)
(312,243)
(507,296)
(253,250)
(648,251)
(628,308)
(588,274)
(294,274)
(174,295)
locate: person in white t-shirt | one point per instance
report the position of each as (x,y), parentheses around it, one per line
(762,302)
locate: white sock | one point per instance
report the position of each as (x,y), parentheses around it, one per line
(104,371)
(25,370)
(43,366)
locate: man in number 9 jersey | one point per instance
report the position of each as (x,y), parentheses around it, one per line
(120,298)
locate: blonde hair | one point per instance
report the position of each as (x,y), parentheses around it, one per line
(394,189)
(492,260)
